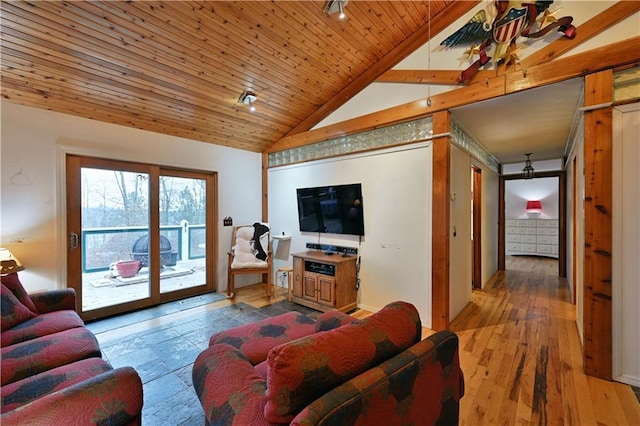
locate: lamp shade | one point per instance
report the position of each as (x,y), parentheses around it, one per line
(534,206)
(8,262)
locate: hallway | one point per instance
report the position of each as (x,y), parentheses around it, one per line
(522,357)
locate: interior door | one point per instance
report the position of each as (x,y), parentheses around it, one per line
(476,226)
(139,235)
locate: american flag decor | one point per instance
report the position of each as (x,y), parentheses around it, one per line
(510,26)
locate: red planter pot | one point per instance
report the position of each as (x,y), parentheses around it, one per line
(128,268)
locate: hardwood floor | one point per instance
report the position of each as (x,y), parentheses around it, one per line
(519,350)
(522,357)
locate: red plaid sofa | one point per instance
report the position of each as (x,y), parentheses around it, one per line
(337,371)
(51,365)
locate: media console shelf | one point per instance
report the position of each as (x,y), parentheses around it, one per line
(324,282)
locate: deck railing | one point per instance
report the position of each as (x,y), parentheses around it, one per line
(103,246)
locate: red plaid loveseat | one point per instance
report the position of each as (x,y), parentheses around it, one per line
(339,371)
(51,365)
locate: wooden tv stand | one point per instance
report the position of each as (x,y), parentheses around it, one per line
(324,282)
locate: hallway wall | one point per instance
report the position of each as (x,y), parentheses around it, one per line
(460,249)
(626,244)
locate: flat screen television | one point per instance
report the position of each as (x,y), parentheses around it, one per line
(335,209)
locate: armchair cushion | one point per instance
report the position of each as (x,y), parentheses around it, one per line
(244,250)
(303,370)
(13,312)
(12,282)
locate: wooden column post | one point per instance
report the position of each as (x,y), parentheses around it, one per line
(440,223)
(598,164)
(265,187)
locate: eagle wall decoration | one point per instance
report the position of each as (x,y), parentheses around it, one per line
(512,19)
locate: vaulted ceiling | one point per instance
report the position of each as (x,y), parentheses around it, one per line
(179,67)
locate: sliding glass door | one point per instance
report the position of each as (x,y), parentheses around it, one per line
(139,234)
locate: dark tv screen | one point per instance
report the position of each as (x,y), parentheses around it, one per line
(333,209)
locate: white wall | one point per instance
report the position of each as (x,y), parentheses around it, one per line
(396,248)
(578,280)
(575,201)
(518,192)
(490,224)
(626,244)
(32,203)
(460,251)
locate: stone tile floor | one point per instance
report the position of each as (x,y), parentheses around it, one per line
(164,355)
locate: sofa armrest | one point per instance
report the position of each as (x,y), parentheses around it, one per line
(113,397)
(256,339)
(55,300)
(228,386)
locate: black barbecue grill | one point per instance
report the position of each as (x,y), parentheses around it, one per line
(140,251)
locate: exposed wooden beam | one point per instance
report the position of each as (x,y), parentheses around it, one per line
(589,29)
(610,56)
(606,57)
(445,77)
(413,42)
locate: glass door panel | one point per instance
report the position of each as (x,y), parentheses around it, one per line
(183,233)
(114,237)
(138,234)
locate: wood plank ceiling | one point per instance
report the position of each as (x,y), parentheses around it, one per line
(179,67)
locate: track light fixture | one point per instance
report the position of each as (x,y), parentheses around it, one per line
(248,98)
(527,172)
(336,6)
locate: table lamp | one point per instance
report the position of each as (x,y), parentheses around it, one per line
(9,263)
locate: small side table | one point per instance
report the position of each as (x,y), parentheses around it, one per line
(289,271)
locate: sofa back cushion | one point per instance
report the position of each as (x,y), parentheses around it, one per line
(420,386)
(301,371)
(13,312)
(12,282)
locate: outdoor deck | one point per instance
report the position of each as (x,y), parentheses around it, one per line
(106,288)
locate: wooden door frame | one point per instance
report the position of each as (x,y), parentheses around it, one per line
(562,219)
(574,228)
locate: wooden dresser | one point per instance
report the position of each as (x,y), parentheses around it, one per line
(536,237)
